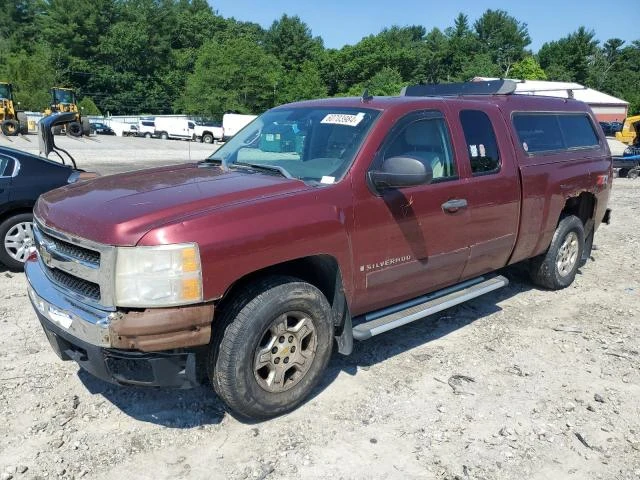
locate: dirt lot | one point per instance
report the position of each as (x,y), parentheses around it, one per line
(554,390)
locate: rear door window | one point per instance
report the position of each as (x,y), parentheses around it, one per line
(480,138)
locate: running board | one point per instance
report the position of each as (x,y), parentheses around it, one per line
(389,318)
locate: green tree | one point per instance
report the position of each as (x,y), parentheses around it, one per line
(234,75)
(528,69)
(290,40)
(387,82)
(305,84)
(571,54)
(88,107)
(502,37)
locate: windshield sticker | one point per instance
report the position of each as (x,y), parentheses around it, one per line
(343,119)
(327,179)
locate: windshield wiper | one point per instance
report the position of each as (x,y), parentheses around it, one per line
(264,166)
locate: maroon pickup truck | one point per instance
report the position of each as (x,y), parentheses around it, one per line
(320,222)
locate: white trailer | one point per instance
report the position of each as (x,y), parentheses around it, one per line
(172,127)
(232,123)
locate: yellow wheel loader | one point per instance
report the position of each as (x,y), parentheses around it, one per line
(630,129)
(12,121)
(65,100)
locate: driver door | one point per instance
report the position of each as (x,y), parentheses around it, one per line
(412,240)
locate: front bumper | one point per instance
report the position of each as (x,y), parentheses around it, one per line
(155,347)
(124,367)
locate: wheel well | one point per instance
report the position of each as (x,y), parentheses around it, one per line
(321,271)
(583,206)
(15,211)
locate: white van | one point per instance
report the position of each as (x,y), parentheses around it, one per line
(171,127)
(146,127)
(232,123)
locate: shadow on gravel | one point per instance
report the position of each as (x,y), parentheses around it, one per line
(387,345)
(201,406)
(162,406)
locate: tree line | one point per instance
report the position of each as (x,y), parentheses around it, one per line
(181,56)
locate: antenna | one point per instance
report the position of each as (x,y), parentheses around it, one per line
(366,97)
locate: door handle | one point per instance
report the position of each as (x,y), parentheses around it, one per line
(452,206)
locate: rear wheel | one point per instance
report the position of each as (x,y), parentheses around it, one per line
(10,128)
(207,138)
(623,172)
(74,129)
(271,347)
(164,136)
(16,234)
(557,268)
(633,173)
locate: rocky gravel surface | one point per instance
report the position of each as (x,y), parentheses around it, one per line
(520,383)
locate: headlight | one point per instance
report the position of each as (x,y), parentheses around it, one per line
(159,276)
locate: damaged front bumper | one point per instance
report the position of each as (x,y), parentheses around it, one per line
(154,347)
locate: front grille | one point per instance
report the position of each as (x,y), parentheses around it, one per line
(74,284)
(74,251)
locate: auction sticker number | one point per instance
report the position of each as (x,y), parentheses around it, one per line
(343,119)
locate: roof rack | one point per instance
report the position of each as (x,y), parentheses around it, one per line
(490,87)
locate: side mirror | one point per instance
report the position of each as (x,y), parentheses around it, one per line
(398,172)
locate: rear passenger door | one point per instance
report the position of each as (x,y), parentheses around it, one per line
(493,187)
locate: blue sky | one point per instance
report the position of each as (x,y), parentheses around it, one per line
(347,21)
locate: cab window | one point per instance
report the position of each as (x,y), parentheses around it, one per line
(427,140)
(482,147)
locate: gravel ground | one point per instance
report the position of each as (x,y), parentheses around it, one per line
(520,383)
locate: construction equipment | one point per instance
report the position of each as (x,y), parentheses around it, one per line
(12,122)
(629,130)
(64,100)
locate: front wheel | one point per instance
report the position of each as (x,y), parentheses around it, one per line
(272,346)
(16,233)
(557,268)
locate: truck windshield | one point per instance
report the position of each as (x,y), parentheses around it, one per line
(316,145)
(5,91)
(63,96)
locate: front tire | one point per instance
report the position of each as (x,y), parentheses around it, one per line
(271,347)
(74,129)
(16,235)
(556,269)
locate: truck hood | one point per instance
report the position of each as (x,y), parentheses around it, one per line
(121,209)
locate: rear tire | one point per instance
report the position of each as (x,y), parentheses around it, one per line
(271,347)
(623,172)
(207,138)
(556,269)
(164,136)
(10,128)
(633,173)
(16,239)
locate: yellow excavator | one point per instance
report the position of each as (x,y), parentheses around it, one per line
(65,100)
(12,121)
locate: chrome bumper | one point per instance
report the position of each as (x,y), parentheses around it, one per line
(89,324)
